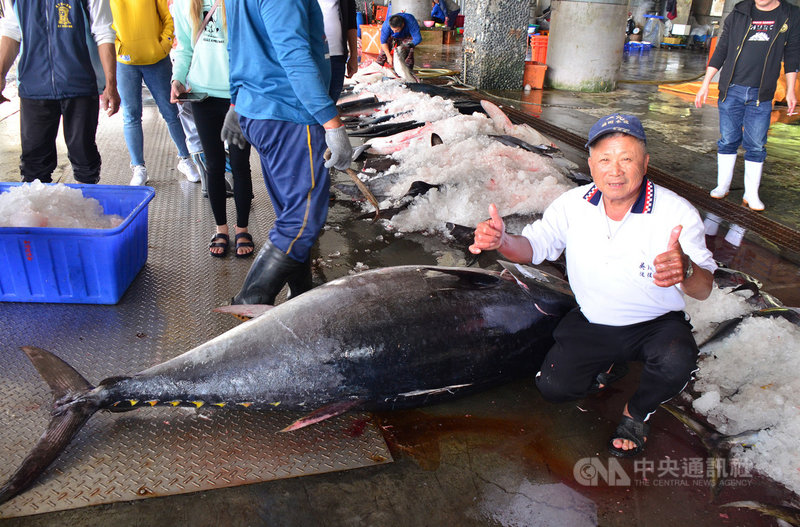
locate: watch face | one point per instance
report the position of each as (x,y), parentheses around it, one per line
(689,270)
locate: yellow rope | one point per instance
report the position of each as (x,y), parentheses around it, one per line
(434,72)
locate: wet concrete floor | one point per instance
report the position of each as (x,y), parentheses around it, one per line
(505,457)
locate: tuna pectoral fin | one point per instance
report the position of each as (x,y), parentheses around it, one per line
(244,312)
(327,411)
(68,418)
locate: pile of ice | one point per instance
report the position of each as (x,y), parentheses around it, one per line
(470,168)
(472,174)
(749,383)
(38,205)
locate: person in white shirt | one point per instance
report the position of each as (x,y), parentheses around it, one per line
(341,32)
(633,249)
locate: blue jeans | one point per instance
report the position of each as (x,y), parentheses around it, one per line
(744,121)
(129,84)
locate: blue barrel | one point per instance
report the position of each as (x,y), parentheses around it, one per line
(359,20)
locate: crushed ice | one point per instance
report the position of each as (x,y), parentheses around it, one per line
(38,205)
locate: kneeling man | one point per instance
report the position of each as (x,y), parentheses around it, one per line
(633,249)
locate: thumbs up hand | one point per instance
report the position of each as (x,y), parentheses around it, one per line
(490,234)
(671,265)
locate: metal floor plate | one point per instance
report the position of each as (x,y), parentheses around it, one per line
(165,312)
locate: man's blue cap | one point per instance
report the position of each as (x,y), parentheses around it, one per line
(616,122)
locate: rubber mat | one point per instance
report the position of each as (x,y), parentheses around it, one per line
(165,312)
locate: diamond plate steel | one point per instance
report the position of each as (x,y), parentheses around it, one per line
(166,311)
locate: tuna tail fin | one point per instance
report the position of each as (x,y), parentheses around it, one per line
(68,418)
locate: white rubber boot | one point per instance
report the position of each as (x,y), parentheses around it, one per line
(752,180)
(711,224)
(725,164)
(735,235)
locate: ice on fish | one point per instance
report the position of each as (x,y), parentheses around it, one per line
(38,205)
(749,381)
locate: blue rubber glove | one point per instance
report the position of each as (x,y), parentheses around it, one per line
(339,145)
(231,131)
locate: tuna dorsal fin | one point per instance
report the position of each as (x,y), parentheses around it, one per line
(436,139)
(67,419)
(326,412)
(244,312)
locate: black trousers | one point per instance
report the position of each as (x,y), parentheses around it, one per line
(582,350)
(209,116)
(39,121)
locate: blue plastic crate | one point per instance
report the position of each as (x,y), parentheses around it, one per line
(77,266)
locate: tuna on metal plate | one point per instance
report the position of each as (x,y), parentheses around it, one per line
(389,338)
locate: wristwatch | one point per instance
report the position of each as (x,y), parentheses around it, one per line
(689,270)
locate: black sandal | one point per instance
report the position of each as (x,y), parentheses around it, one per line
(247,243)
(617,371)
(635,431)
(215,244)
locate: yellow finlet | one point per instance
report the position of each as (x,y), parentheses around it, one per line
(198,404)
(152,403)
(133,402)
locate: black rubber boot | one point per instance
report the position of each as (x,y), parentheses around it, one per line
(300,281)
(271,269)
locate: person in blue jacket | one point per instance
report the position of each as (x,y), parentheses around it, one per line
(401,29)
(279,80)
(66,71)
(445,12)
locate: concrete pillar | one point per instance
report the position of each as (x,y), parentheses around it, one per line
(421,9)
(584,51)
(684,8)
(495,41)
(729,5)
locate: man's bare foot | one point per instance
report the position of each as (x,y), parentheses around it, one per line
(620,444)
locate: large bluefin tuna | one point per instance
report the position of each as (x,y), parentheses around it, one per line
(394,337)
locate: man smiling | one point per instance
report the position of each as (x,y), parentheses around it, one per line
(633,250)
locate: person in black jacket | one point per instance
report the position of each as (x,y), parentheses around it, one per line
(756,37)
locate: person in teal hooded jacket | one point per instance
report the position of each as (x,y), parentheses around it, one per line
(201,64)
